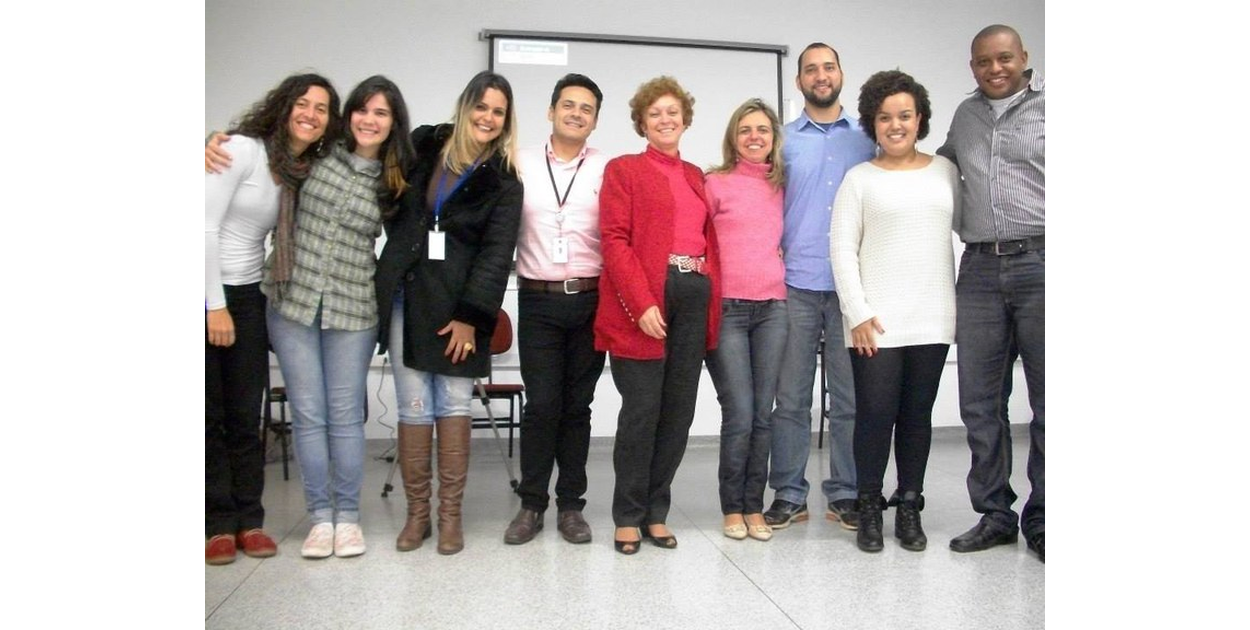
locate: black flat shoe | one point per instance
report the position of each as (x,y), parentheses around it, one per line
(627,547)
(663,542)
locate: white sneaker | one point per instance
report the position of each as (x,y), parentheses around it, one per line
(348,540)
(320,541)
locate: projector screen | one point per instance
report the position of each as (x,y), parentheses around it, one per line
(719,75)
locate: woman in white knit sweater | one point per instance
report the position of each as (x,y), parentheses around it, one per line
(894,267)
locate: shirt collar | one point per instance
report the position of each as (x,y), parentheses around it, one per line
(552,157)
(805,120)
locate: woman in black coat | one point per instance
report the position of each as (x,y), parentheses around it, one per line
(440,283)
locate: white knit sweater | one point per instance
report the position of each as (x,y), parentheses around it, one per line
(893,257)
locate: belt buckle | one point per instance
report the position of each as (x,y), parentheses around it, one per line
(1008,248)
(566,287)
(685,264)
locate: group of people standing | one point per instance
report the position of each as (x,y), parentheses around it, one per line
(830,231)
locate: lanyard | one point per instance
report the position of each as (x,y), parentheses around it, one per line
(560,200)
(440,197)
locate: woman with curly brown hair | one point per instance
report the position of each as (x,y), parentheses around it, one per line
(278,139)
(659,307)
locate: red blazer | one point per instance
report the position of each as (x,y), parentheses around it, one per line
(636,232)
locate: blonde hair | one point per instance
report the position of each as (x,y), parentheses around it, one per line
(461,149)
(650,92)
(729,148)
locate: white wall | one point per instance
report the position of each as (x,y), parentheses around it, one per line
(431,48)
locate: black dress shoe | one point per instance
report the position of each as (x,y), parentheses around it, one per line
(524,527)
(663,542)
(573,527)
(1037,544)
(627,547)
(982,537)
(781,513)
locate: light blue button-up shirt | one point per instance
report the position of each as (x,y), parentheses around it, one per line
(816,160)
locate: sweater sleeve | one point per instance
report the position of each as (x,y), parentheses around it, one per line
(219,190)
(616,229)
(845,235)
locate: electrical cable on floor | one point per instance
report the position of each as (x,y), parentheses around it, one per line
(389,454)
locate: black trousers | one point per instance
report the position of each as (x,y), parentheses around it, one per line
(234,387)
(560,368)
(894,395)
(657,406)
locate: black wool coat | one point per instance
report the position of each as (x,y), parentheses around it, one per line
(480,220)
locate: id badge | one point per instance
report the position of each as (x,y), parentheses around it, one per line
(560,250)
(438,245)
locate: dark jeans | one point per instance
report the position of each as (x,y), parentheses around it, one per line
(1001,300)
(894,395)
(560,368)
(744,368)
(234,386)
(657,406)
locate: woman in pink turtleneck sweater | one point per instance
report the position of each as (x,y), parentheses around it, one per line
(744,199)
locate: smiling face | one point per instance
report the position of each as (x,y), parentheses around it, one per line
(309,116)
(488,116)
(998,63)
(754,137)
(820,77)
(574,115)
(371,126)
(896,125)
(663,124)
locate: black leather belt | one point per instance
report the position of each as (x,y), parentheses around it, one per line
(1010,248)
(567,287)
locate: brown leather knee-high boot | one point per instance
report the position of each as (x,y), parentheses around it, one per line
(453,471)
(416,443)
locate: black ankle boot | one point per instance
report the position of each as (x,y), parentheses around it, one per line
(868,537)
(907,522)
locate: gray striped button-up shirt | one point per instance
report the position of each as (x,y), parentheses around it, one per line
(336,227)
(1003,164)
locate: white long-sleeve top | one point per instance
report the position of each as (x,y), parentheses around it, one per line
(240,208)
(893,257)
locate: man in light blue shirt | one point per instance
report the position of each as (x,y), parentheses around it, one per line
(821,145)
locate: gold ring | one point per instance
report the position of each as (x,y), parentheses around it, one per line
(468,347)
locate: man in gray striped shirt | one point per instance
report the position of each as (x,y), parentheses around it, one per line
(998,139)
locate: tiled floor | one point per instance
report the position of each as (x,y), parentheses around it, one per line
(809,576)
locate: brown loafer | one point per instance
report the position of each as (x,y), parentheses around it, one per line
(573,527)
(523,527)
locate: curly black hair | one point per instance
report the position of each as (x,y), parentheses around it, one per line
(885,84)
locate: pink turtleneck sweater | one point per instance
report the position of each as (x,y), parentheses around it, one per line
(689,211)
(746,211)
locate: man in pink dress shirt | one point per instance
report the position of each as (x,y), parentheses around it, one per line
(558,266)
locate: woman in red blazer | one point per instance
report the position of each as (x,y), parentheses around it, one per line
(659,308)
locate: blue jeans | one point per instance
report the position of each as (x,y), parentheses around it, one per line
(813,312)
(422,397)
(325,373)
(1001,299)
(744,368)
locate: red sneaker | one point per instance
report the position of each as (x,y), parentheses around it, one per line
(256,544)
(219,549)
